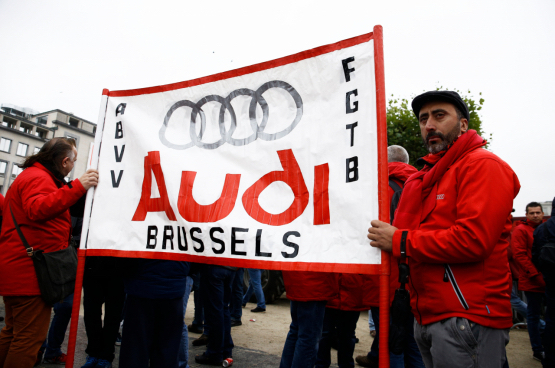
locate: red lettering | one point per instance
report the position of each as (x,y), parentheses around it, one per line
(147,204)
(292,176)
(321,194)
(191,211)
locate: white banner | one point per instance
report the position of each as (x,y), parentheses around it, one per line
(271,166)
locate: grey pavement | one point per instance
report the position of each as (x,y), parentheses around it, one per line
(242,357)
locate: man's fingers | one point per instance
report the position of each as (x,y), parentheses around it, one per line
(376,223)
(375,244)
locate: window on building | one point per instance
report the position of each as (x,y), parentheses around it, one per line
(42,119)
(40,133)
(16,170)
(13,111)
(36,150)
(5,144)
(73,122)
(74,138)
(26,129)
(9,122)
(3,167)
(22,149)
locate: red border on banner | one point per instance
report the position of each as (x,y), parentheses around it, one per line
(246,70)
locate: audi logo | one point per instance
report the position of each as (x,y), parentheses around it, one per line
(227,135)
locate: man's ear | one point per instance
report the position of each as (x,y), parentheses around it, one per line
(64,161)
(464,125)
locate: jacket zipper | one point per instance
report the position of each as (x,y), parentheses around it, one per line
(448,276)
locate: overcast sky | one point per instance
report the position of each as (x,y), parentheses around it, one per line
(61,54)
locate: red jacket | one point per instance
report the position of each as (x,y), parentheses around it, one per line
(399,172)
(530,279)
(40,204)
(304,286)
(356,292)
(1,207)
(515,271)
(458,255)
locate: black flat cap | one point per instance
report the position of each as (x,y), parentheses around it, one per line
(445,96)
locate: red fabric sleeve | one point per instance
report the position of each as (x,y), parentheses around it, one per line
(484,201)
(520,251)
(41,203)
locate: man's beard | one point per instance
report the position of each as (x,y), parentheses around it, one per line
(446,139)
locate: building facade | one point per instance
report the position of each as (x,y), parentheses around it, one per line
(24,131)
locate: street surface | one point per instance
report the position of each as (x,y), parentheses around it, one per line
(259,343)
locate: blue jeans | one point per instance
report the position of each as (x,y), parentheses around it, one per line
(198,319)
(371,321)
(517,304)
(58,327)
(533,319)
(339,326)
(215,283)
(411,355)
(235,307)
(301,345)
(184,346)
(549,340)
(255,286)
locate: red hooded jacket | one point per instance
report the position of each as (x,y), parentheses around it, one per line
(457,252)
(530,279)
(40,204)
(398,172)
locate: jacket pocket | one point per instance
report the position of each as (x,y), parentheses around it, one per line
(451,278)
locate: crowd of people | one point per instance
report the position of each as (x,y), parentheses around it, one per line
(450,232)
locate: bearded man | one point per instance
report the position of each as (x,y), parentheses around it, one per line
(451,226)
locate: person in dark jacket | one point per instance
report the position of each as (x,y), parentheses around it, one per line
(545,234)
(153,321)
(530,279)
(215,282)
(102,285)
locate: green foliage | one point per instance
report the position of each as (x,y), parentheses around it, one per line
(403,128)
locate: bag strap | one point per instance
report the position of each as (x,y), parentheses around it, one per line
(26,245)
(396,187)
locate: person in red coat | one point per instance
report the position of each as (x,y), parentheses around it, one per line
(399,172)
(451,226)
(40,200)
(1,207)
(530,280)
(356,293)
(308,293)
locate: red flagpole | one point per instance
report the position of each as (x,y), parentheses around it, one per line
(382,193)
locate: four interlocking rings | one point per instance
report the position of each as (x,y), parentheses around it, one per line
(227,135)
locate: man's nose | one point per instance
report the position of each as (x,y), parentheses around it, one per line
(430,125)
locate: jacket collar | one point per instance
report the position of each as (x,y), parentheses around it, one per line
(60,181)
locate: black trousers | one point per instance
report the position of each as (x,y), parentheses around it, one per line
(151,332)
(100,290)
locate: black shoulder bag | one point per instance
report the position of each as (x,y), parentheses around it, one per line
(400,308)
(56,271)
